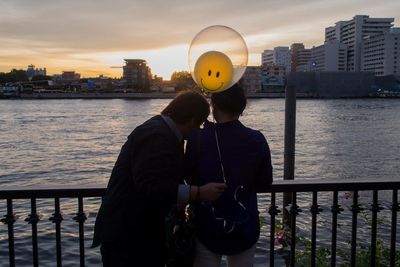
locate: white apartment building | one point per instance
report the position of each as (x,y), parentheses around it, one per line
(330,56)
(353,32)
(267,57)
(380,53)
(280,56)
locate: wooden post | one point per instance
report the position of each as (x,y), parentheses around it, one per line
(290,133)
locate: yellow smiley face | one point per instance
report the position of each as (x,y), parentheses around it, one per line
(213,71)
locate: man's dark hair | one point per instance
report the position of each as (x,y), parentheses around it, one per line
(232,101)
(186,106)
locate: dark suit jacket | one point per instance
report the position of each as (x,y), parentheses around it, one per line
(142,189)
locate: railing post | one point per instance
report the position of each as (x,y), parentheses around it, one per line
(355,208)
(290,139)
(375,208)
(57,219)
(9,220)
(336,209)
(395,209)
(315,210)
(81,218)
(33,219)
(294,211)
(273,211)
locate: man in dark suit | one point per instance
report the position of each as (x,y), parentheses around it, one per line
(146,181)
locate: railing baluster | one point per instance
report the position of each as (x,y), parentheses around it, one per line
(335,209)
(33,219)
(375,208)
(10,219)
(57,218)
(294,210)
(273,211)
(315,209)
(355,208)
(81,218)
(394,208)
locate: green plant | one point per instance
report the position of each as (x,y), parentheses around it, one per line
(363,251)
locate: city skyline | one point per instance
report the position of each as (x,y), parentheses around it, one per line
(90,37)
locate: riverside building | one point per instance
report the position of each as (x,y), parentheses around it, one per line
(299,56)
(267,57)
(273,78)
(31,71)
(353,32)
(330,56)
(380,53)
(278,56)
(251,80)
(137,75)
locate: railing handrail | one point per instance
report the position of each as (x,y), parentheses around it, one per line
(97,190)
(313,186)
(52,191)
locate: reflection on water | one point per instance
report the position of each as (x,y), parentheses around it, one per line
(77,142)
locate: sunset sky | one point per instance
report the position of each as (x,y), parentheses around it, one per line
(89,36)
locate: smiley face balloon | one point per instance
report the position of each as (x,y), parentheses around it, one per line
(213,71)
(217,58)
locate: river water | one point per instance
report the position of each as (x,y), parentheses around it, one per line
(76,142)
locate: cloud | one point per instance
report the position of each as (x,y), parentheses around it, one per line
(69,30)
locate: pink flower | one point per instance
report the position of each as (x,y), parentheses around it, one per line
(279,234)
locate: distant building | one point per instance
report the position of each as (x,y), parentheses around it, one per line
(278,56)
(70,75)
(273,70)
(273,78)
(137,75)
(32,71)
(353,32)
(330,56)
(381,53)
(267,57)
(299,56)
(100,83)
(251,80)
(70,80)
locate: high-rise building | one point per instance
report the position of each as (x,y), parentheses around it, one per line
(352,33)
(299,56)
(279,56)
(381,53)
(330,56)
(137,75)
(267,57)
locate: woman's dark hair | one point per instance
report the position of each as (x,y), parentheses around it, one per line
(186,106)
(232,101)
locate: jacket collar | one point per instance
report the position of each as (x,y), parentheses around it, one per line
(172,125)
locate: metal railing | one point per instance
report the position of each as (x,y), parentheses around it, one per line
(293,187)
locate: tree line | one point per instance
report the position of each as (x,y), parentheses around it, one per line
(20,76)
